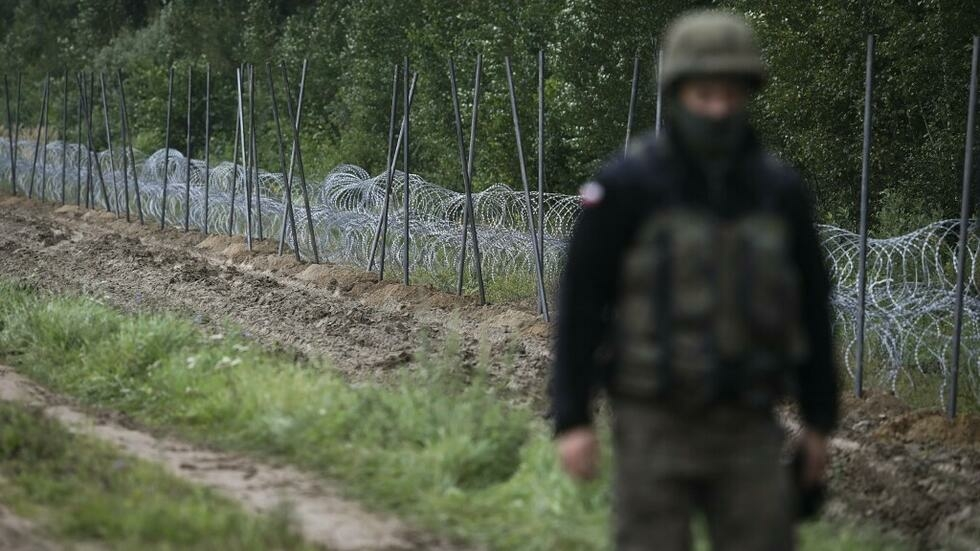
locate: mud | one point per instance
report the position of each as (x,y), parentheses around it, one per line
(364,327)
(318,510)
(908,471)
(912,471)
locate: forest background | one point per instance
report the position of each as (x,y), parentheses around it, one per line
(810,113)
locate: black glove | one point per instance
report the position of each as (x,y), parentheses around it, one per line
(809,497)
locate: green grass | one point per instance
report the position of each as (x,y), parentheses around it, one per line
(449,455)
(81,490)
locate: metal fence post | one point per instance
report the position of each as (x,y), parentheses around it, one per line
(542,297)
(187,173)
(64,138)
(964,221)
(125,157)
(37,139)
(466,165)
(129,145)
(658,123)
(288,216)
(207,145)
(108,139)
(632,107)
(44,147)
(10,134)
(408,176)
(241,139)
(863,251)
(297,153)
(389,162)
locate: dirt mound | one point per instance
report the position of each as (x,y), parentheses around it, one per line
(217,243)
(932,426)
(11,201)
(862,416)
(334,277)
(72,210)
(98,216)
(519,321)
(286,263)
(873,405)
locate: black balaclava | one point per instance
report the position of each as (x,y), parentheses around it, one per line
(707,139)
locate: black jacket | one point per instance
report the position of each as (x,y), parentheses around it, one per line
(625,192)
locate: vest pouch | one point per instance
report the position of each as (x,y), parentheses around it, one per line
(694,369)
(692,270)
(769,284)
(639,372)
(642,370)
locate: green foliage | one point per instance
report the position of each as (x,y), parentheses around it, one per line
(811,113)
(436,444)
(84,491)
(812,110)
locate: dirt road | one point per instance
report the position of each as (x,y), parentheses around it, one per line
(320,512)
(908,471)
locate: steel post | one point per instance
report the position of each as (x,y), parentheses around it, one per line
(10,134)
(388,176)
(254,155)
(658,124)
(467,169)
(207,146)
(406,265)
(108,139)
(297,152)
(381,231)
(241,135)
(37,138)
(541,150)
(44,146)
(863,251)
(64,138)
(289,217)
(632,106)
(953,382)
(129,146)
(125,157)
(542,297)
(187,154)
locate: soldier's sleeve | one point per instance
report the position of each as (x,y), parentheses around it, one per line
(585,298)
(817,378)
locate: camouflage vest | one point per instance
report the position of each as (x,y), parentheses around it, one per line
(709,309)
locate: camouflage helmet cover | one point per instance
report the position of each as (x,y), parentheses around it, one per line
(711,43)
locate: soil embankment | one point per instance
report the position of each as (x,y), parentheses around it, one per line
(911,471)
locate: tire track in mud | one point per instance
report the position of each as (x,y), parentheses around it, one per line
(321,515)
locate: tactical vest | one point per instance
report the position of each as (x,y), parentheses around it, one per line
(709,310)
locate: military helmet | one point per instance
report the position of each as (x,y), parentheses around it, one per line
(710,43)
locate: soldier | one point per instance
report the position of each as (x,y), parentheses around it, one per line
(696,295)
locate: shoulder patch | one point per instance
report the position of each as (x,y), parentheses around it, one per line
(591,194)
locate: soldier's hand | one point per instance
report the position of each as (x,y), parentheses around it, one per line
(816,457)
(578,451)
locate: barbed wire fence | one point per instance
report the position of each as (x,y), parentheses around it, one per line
(911,278)
(912,301)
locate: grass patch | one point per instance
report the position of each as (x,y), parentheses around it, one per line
(82,490)
(447,454)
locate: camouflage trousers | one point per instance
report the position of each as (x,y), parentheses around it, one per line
(724,463)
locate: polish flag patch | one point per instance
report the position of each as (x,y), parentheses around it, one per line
(591,194)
